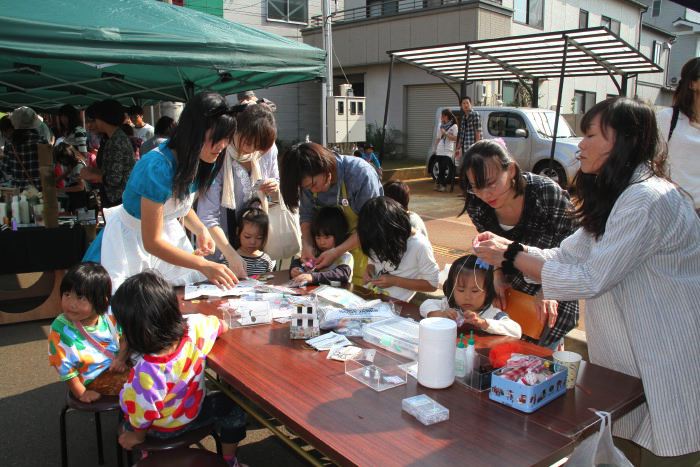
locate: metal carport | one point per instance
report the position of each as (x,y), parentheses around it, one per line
(535,57)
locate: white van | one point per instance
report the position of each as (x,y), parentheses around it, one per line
(527,133)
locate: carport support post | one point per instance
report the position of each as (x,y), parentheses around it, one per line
(386,110)
(463,85)
(623,86)
(558,109)
(535,93)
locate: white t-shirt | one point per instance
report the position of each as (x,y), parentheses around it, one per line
(145,132)
(418,262)
(445,146)
(499,322)
(683,152)
(417,223)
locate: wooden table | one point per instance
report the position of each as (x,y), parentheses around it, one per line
(354,425)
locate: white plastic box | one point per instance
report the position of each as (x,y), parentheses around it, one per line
(398,335)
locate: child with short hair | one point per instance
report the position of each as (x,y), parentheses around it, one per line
(469,294)
(401,261)
(84,340)
(401,193)
(251,234)
(165,394)
(328,229)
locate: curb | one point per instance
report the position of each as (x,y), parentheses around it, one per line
(404,174)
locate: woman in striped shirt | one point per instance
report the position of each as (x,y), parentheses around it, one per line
(636,261)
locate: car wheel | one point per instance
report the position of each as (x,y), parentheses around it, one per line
(556,172)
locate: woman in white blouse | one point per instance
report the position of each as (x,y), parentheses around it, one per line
(249,168)
(636,261)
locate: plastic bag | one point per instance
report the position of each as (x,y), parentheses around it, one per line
(598,449)
(349,321)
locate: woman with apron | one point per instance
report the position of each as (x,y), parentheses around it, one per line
(145,232)
(312,177)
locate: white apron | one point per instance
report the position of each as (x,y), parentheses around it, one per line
(123,254)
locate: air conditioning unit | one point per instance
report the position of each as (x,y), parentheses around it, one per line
(673,80)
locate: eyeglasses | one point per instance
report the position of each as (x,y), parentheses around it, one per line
(490,188)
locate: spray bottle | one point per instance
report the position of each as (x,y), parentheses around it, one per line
(470,356)
(460,358)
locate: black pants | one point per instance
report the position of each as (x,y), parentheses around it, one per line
(444,170)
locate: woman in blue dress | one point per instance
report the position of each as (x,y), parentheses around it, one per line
(146,232)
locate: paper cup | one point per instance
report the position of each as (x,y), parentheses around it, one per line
(570,360)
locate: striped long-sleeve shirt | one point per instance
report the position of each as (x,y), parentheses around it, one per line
(641,282)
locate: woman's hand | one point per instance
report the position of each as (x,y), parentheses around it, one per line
(326,258)
(89,396)
(546,310)
(269,186)
(384,281)
(205,244)
(218,274)
(129,439)
(307,252)
(451,314)
(500,285)
(490,247)
(236,264)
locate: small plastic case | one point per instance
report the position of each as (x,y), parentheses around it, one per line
(426,410)
(398,335)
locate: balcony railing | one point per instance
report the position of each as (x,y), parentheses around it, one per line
(377,9)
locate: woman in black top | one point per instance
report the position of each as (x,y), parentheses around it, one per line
(523,207)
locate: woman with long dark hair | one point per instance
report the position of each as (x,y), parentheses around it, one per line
(636,261)
(680,127)
(72,128)
(144,232)
(445,142)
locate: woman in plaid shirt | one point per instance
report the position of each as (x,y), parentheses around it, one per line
(525,208)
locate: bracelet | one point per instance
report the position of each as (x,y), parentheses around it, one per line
(509,258)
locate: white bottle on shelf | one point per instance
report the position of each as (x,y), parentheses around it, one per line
(15,208)
(23,210)
(470,356)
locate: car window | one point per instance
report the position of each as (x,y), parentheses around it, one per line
(504,124)
(544,125)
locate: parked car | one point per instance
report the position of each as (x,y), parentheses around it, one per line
(527,133)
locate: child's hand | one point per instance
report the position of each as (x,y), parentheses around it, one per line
(368,274)
(118,365)
(295,272)
(451,314)
(475,320)
(303,277)
(89,396)
(384,281)
(129,439)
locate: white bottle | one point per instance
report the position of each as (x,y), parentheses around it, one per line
(436,352)
(23,210)
(15,208)
(461,358)
(470,357)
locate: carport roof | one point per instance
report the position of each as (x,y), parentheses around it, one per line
(587,52)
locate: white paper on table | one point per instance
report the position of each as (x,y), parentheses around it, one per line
(326,341)
(343,352)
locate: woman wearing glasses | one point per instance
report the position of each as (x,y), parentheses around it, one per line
(145,231)
(312,177)
(524,208)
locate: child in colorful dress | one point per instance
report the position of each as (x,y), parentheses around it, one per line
(84,340)
(401,261)
(328,228)
(469,293)
(165,394)
(251,231)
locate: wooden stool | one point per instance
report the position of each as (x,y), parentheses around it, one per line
(103,404)
(152,444)
(180,457)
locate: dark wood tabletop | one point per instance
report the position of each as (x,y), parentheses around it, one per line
(354,425)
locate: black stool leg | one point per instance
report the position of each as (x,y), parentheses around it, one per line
(120,456)
(98,430)
(64,445)
(129,457)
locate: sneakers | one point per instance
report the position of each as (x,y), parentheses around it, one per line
(437,187)
(442,189)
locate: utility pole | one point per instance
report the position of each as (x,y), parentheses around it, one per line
(327,88)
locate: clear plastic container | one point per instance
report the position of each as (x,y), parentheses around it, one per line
(398,335)
(426,410)
(376,370)
(479,379)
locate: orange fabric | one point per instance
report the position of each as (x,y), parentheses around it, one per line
(521,309)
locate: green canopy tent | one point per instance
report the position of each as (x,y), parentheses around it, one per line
(82,51)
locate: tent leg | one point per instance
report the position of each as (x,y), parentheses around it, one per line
(558,109)
(386,110)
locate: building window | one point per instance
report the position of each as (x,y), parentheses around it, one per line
(583,101)
(530,12)
(655,8)
(290,11)
(582,19)
(656,52)
(611,24)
